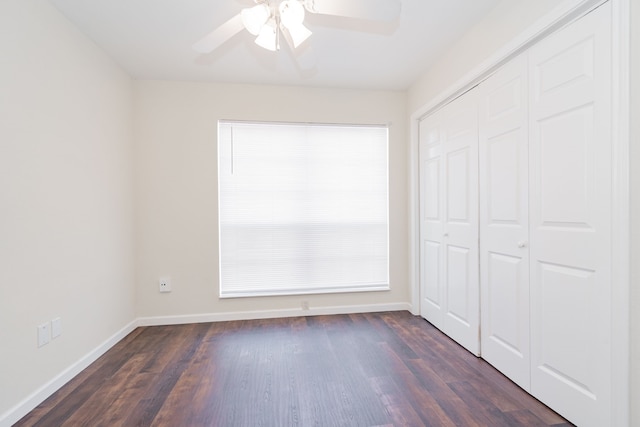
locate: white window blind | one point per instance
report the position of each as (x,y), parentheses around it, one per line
(303,208)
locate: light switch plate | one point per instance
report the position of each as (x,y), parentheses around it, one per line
(44,334)
(56,328)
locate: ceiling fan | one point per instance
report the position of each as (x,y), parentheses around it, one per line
(268,20)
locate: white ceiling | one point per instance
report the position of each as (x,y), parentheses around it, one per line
(152,39)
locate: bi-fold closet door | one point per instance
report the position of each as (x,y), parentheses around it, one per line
(449,220)
(504,220)
(570,218)
(544,200)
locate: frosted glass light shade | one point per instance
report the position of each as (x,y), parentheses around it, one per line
(291,13)
(292,17)
(255,17)
(268,38)
(299,33)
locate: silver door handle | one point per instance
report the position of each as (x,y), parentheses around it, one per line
(522,244)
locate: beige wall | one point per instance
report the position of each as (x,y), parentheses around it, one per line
(505,22)
(176,190)
(65,196)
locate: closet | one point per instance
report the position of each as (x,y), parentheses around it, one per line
(515,219)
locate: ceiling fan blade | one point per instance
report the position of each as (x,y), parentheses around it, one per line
(372,10)
(217,37)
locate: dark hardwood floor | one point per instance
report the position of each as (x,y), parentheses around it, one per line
(382,369)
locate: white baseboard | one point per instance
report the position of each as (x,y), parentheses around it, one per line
(269,314)
(23,408)
(37,397)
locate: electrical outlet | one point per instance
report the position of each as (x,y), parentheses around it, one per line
(44,334)
(305,305)
(56,328)
(164,284)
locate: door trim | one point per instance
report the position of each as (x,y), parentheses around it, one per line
(621,226)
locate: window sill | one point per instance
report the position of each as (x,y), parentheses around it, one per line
(314,291)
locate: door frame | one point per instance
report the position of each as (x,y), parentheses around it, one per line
(565,13)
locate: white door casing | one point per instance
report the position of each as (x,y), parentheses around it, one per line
(504,220)
(570,219)
(448,155)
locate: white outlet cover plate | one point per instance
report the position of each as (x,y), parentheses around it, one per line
(164,284)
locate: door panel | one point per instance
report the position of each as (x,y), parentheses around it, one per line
(449,220)
(458,186)
(505,276)
(567,348)
(503,165)
(570,162)
(504,255)
(565,149)
(431,289)
(458,286)
(432,189)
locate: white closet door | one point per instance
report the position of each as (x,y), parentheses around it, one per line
(504,221)
(431,220)
(449,220)
(570,164)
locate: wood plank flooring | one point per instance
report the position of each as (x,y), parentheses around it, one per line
(381,369)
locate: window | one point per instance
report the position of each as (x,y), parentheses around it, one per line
(303,208)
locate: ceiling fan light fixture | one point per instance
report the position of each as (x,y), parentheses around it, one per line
(269,20)
(255,18)
(268,36)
